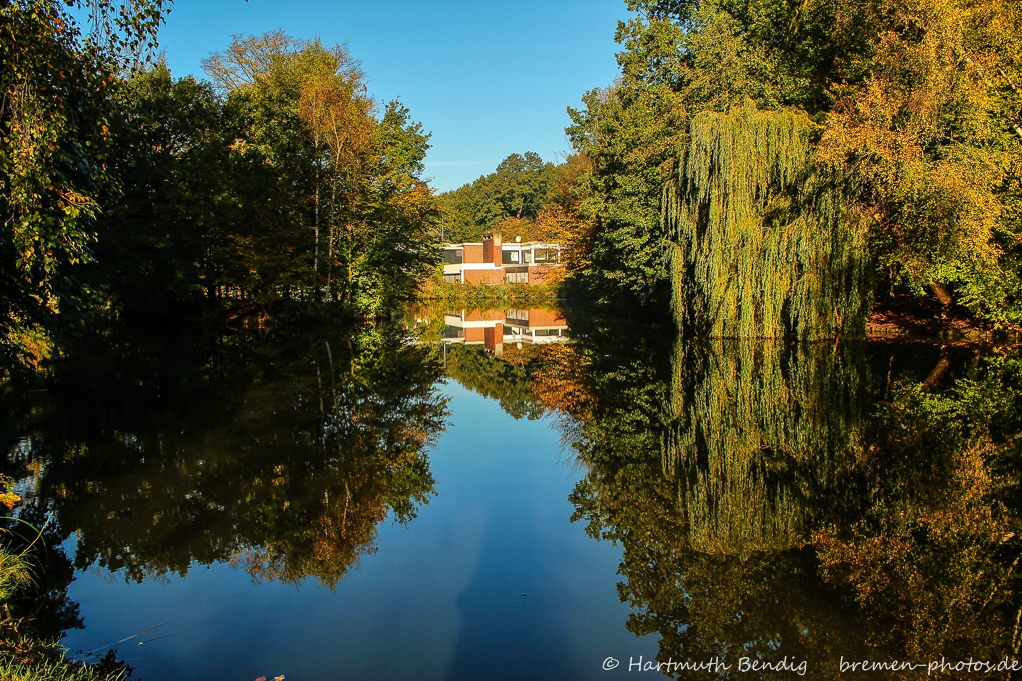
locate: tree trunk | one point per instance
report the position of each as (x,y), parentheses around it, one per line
(315,259)
(943,295)
(938,373)
(330,256)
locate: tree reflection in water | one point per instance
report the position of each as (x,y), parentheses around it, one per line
(281,454)
(776,499)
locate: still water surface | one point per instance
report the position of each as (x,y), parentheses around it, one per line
(441,598)
(515,494)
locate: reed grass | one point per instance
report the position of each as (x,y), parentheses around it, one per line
(48,670)
(15,572)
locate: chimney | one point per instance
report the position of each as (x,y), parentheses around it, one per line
(498,250)
(493,339)
(493,250)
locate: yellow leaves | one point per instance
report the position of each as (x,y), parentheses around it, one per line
(923,135)
(9,499)
(339,114)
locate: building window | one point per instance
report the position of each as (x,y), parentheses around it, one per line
(452,278)
(511,258)
(519,316)
(527,255)
(548,256)
(517,275)
(453,256)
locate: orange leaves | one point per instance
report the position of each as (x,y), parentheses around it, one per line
(337,111)
(563,381)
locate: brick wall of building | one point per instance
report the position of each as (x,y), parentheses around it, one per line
(541,274)
(493,339)
(493,250)
(484,316)
(484,276)
(545,318)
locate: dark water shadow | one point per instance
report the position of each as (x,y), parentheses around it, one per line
(503,633)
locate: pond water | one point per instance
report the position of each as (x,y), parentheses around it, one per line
(519,494)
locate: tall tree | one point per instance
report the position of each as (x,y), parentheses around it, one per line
(918,105)
(54,174)
(517,189)
(164,245)
(764,245)
(355,178)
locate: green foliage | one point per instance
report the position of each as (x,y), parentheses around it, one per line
(517,189)
(288,189)
(918,105)
(360,178)
(172,238)
(765,248)
(161,196)
(51,668)
(487,293)
(54,158)
(15,572)
(396,250)
(631,142)
(403,141)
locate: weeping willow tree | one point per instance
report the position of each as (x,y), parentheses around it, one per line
(763,243)
(761,437)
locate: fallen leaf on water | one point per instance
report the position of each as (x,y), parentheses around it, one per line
(261,678)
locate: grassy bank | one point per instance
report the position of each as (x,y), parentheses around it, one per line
(490,293)
(25,658)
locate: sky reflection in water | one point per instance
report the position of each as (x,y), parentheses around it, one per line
(441,599)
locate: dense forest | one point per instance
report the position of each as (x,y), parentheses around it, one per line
(524,197)
(127,191)
(792,160)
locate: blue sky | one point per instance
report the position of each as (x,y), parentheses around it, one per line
(489,78)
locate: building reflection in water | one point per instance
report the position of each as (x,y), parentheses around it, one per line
(495,328)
